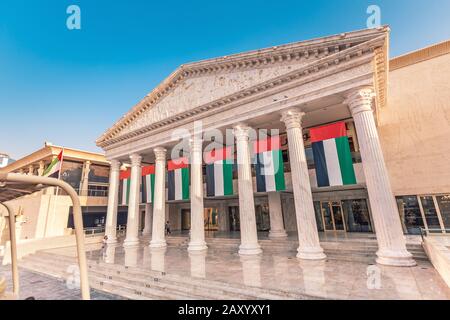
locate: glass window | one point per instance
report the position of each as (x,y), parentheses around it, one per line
(356,215)
(430,212)
(410,215)
(444,207)
(71,173)
(318,212)
(99,174)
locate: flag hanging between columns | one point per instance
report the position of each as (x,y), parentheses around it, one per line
(219,172)
(269,165)
(148,184)
(332,156)
(178,179)
(124,187)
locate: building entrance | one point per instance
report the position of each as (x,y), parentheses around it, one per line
(332,216)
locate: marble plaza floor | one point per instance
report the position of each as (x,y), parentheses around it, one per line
(331,279)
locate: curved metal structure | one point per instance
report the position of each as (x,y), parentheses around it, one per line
(40,182)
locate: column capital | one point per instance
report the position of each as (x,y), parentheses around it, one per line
(115,165)
(360,100)
(135,159)
(241,131)
(292,118)
(160,153)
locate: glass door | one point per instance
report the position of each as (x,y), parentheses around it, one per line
(332,216)
(338,217)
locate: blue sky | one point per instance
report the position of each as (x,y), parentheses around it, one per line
(68,87)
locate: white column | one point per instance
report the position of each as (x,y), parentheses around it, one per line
(85,179)
(159,202)
(133,203)
(41,168)
(308,236)
(30,170)
(249,237)
(276,216)
(113,201)
(148,220)
(197,242)
(391,241)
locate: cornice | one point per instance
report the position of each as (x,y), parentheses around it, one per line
(301,50)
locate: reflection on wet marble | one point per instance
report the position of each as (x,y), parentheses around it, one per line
(332,279)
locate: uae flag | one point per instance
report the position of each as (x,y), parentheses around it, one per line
(219,172)
(178,179)
(148,184)
(269,165)
(54,169)
(124,187)
(332,156)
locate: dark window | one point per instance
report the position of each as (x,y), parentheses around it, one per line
(410,216)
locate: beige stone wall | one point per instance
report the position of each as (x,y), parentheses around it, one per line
(415,128)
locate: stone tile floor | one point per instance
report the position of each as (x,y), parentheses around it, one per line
(43,287)
(333,279)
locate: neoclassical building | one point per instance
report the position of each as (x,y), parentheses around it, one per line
(314,93)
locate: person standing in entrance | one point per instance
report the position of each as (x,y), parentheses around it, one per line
(168,228)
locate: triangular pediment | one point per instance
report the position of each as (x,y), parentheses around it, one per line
(196,84)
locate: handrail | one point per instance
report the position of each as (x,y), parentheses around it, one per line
(77,217)
(424,232)
(13,240)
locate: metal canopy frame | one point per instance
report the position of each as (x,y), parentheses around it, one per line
(13,186)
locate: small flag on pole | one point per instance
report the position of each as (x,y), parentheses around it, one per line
(54,169)
(219,172)
(178,179)
(269,165)
(332,156)
(124,187)
(148,184)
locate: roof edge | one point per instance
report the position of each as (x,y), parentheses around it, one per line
(420,55)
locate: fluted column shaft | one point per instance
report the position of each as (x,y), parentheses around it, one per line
(249,237)
(159,201)
(276,216)
(148,220)
(113,202)
(391,241)
(197,242)
(132,237)
(309,245)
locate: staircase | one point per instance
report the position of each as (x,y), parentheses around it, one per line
(138,284)
(361,250)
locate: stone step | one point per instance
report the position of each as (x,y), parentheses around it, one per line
(148,282)
(205,288)
(121,288)
(99,281)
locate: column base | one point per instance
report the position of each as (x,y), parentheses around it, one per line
(198,246)
(400,258)
(276,234)
(111,240)
(131,242)
(311,253)
(158,244)
(146,233)
(249,250)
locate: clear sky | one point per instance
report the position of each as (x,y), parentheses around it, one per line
(69,86)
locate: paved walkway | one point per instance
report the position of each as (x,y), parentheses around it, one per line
(43,287)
